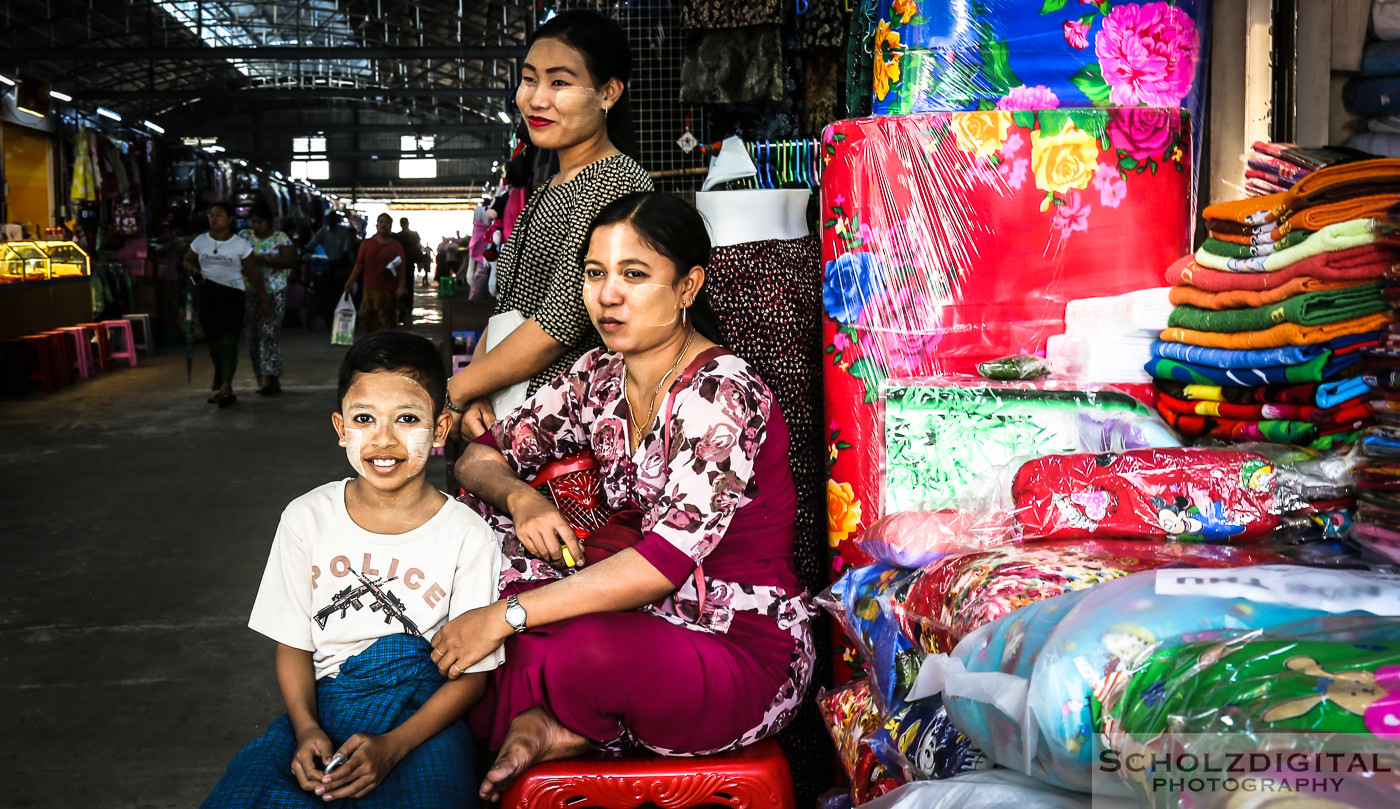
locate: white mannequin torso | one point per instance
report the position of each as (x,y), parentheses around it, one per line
(737,217)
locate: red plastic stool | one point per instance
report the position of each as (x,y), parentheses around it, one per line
(41,362)
(755,777)
(65,355)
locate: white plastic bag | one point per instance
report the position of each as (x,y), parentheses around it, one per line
(498,328)
(343,332)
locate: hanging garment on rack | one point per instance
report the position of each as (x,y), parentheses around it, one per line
(767,297)
(823,73)
(84,187)
(822,25)
(733,66)
(728,14)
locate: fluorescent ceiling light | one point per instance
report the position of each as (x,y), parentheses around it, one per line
(30,112)
(60,96)
(7,80)
(106,113)
(504,116)
(154,128)
(214,149)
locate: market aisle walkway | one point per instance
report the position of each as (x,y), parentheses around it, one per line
(136,520)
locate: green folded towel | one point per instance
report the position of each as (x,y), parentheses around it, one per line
(1308,309)
(1216,247)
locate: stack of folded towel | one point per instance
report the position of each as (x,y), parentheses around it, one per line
(1107,340)
(1271,340)
(1276,167)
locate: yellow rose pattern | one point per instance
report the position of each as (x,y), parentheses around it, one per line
(887,58)
(1063,162)
(906,9)
(981,133)
(842,512)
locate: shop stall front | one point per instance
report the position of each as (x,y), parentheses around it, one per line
(44,285)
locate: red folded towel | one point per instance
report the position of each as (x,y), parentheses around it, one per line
(1354,264)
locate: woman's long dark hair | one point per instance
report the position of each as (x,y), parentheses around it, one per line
(673,228)
(607,55)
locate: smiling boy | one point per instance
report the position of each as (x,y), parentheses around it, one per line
(363,572)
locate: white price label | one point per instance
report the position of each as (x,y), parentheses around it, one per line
(1332,591)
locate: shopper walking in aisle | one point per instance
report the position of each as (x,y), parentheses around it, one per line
(381,263)
(222,263)
(644,647)
(573,94)
(276,256)
(338,242)
(413,259)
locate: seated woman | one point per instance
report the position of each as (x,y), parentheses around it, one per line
(628,650)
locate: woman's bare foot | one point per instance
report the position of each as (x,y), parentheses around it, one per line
(534,737)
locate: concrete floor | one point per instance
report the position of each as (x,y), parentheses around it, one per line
(137,519)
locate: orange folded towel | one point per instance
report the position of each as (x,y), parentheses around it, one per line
(1284,334)
(1248,299)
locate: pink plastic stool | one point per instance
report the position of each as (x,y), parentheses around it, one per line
(148,343)
(128,350)
(82,345)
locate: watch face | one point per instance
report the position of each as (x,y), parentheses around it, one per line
(515,616)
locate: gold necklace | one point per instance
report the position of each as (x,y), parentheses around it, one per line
(652,411)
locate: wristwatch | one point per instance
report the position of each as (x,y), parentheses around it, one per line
(515,614)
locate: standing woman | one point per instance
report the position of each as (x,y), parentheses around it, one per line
(573,94)
(223,263)
(276,256)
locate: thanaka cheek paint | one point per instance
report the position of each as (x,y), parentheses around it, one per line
(354,443)
(420,446)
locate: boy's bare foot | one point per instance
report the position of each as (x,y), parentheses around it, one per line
(534,737)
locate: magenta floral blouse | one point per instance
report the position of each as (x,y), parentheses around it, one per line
(723,497)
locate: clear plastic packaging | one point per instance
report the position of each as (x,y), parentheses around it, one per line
(1183,495)
(957,238)
(920,742)
(946,600)
(1294,688)
(859,600)
(1022,687)
(850,716)
(913,539)
(941,433)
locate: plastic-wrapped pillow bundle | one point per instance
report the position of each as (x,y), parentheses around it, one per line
(850,716)
(1293,688)
(946,600)
(1184,495)
(859,600)
(942,433)
(1022,687)
(919,741)
(912,539)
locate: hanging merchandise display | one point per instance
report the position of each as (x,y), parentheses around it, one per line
(919,213)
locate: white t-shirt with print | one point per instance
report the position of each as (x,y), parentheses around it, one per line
(332,588)
(222,261)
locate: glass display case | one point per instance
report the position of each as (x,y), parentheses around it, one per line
(41,261)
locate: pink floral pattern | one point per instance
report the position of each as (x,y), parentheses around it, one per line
(1148,54)
(1072,216)
(1112,188)
(1077,34)
(1038,97)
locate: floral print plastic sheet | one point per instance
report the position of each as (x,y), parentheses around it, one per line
(1038,54)
(955,238)
(942,433)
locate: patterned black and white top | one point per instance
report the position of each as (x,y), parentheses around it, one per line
(539,273)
